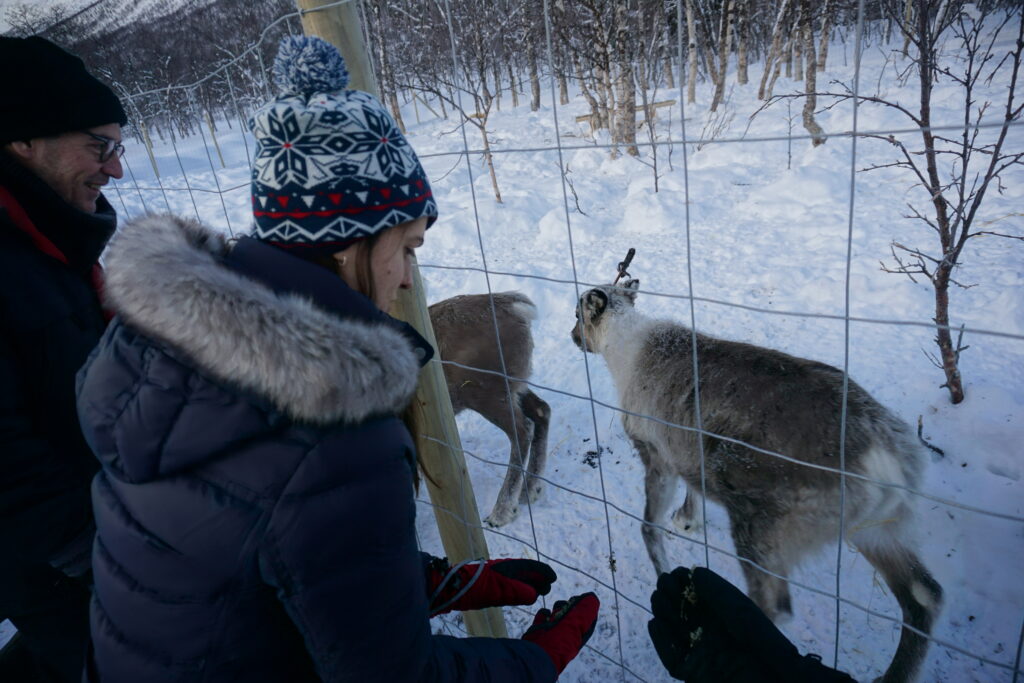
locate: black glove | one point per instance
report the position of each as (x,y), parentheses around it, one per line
(706,631)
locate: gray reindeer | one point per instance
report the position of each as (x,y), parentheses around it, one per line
(465,330)
(779,511)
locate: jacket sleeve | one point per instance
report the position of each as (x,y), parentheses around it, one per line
(341,551)
(41,509)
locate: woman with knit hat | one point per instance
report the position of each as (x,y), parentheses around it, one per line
(255,510)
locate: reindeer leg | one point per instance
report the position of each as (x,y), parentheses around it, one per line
(659,486)
(753,536)
(520,432)
(539,412)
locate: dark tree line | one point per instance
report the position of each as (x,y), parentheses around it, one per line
(614,52)
(150,60)
(207,62)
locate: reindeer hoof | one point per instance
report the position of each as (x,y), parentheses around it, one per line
(782,618)
(499,518)
(781,611)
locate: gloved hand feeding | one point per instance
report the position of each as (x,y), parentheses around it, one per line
(563,630)
(491,583)
(706,630)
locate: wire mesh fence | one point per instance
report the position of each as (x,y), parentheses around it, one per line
(206,174)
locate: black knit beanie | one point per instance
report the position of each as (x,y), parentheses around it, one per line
(50,92)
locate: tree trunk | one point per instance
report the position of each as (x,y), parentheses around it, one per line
(534,79)
(648,112)
(387,83)
(691,31)
(776,72)
(395,109)
(626,106)
(667,66)
(596,117)
(213,136)
(606,98)
(724,43)
(943,271)
(496,73)
(742,29)
(810,82)
(625,91)
(490,161)
(947,350)
(826,34)
(512,86)
(908,13)
(149,146)
(798,46)
(773,52)
(787,58)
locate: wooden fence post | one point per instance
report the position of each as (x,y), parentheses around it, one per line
(458,519)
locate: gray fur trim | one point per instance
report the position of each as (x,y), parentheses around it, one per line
(163,278)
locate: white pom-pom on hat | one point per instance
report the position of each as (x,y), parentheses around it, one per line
(307,65)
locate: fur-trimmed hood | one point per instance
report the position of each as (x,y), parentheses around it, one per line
(165,277)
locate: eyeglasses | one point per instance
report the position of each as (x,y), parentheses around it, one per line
(110,146)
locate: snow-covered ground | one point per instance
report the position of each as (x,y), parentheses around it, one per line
(772,239)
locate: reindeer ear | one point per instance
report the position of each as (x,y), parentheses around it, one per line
(630,288)
(593,303)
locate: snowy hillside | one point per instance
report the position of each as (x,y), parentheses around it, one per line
(112,16)
(769,248)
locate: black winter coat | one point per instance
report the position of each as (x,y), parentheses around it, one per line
(50,320)
(255,511)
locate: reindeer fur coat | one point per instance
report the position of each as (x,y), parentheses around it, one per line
(255,509)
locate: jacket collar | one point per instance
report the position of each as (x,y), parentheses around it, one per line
(287,274)
(263,320)
(78,237)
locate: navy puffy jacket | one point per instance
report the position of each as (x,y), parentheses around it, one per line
(255,510)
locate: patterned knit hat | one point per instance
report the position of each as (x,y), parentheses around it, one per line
(331,166)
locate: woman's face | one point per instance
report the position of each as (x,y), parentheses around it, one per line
(390,261)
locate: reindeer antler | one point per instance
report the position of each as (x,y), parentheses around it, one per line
(624,264)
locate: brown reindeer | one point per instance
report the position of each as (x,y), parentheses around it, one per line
(779,510)
(473,369)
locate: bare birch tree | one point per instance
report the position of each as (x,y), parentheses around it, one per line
(742,34)
(691,32)
(806,33)
(827,17)
(772,59)
(625,90)
(956,173)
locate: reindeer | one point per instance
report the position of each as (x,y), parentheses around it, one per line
(779,511)
(465,331)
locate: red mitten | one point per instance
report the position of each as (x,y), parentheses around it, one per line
(494,583)
(563,632)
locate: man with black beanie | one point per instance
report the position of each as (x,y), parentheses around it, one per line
(60,143)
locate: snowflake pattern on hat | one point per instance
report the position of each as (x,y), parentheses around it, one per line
(330,167)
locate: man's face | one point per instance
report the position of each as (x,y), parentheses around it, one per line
(70,164)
